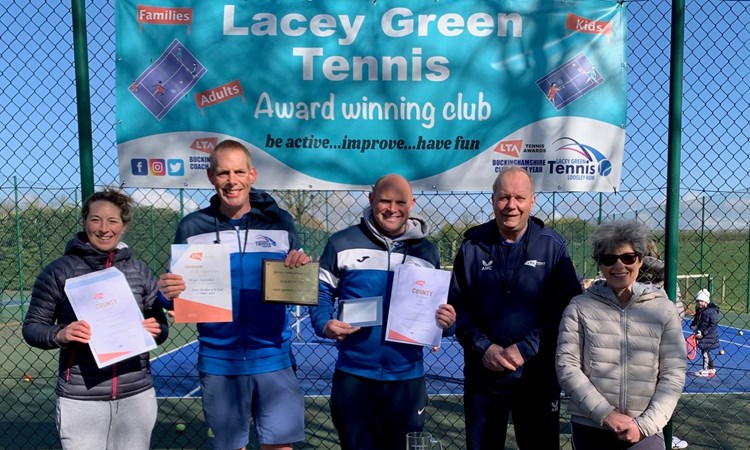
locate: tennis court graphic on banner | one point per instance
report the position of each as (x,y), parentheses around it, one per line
(332,95)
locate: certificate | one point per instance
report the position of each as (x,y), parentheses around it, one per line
(208,283)
(105,301)
(415,296)
(290,285)
(362,312)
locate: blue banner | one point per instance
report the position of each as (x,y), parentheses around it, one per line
(332,95)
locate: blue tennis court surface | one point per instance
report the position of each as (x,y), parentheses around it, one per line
(167,80)
(175,373)
(570,81)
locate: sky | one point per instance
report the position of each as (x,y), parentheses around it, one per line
(38,128)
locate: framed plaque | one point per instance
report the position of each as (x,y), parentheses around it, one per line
(290,285)
(362,312)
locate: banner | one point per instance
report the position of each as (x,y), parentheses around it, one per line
(332,95)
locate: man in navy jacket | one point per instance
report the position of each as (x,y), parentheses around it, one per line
(512,279)
(378,393)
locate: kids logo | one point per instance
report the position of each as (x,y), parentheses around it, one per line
(509,148)
(198,256)
(584,25)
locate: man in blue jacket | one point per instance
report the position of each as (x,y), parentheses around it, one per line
(512,279)
(245,365)
(378,393)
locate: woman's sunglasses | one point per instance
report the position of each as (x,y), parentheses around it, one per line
(626,258)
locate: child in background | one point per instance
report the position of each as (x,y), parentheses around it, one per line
(705,325)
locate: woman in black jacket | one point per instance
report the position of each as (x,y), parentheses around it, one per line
(112,407)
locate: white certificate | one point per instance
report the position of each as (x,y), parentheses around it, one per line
(105,301)
(207,274)
(415,296)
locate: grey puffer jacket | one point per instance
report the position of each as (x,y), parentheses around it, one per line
(50,311)
(629,359)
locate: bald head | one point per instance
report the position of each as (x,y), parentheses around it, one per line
(391,200)
(392,180)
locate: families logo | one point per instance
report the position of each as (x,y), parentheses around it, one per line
(589,154)
(163,16)
(510,148)
(264,241)
(198,256)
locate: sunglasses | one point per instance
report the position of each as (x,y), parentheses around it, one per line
(626,258)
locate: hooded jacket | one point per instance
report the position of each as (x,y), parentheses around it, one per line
(358,262)
(630,359)
(511,295)
(50,311)
(258,339)
(707,322)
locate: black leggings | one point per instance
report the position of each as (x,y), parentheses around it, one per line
(376,415)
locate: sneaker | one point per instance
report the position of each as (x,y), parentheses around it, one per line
(678,443)
(711,372)
(705,373)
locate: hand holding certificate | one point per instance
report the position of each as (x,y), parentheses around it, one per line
(415,296)
(105,301)
(206,271)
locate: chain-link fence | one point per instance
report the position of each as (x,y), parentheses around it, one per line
(39,204)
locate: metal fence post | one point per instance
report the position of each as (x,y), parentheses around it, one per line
(83,97)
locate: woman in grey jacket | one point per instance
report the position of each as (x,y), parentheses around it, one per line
(620,352)
(112,407)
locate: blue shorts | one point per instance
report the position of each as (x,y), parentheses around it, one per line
(274,401)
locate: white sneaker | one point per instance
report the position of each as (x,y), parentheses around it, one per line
(678,443)
(705,373)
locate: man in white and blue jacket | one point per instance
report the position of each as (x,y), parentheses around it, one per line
(378,393)
(512,279)
(245,365)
